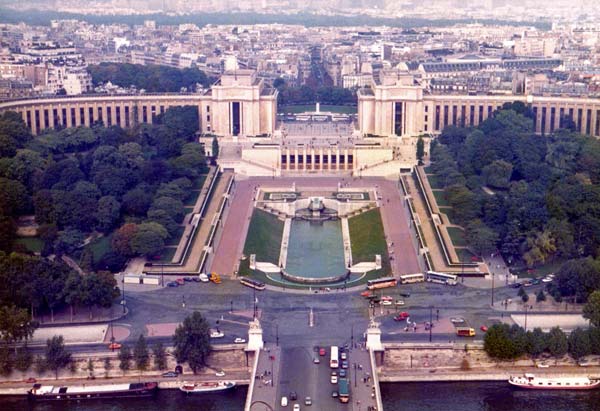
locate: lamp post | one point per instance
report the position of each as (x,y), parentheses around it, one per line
(354,374)
(351,336)
(123,302)
(526,307)
(277,335)
(430,322)
(493,289)
(231,311)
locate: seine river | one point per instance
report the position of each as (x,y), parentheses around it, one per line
(480,396)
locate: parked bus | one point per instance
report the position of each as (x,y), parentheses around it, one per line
(343,390)
(334,361)
(465,332)
(412,278)
(441,278)
(383,282)
(249,282)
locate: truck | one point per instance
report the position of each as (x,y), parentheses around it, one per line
(344,390)
(215,278)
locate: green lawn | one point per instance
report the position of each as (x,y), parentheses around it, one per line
(311,107)
(458,236)
(435,181)
(264,237)
(440,198)
(166,255)
(174,240)
(368,239)
(33,244)
(464,255)
(191,199)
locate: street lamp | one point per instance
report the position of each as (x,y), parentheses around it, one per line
(277,335)
(493,289)
(352,336)
(430,322)
(526,307)
(123,302)
(231,311)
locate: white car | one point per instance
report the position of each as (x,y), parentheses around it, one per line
(220,374)
(296,407)
(216,334)
(457,320)
(386,302)
(284,401)
(547,280)
(203,278)
(239,340)
(334,378)
(542,365)
(399,302)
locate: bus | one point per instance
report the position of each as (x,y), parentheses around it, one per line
(465,332)
(383,282)
(412,278)
(343,390)
(249,282)
(441,278)
(334,361)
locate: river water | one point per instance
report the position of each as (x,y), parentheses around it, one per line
(472,396)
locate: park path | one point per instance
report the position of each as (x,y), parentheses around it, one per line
(230,247)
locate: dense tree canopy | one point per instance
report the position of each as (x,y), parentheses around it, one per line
(152,78)
(192,341)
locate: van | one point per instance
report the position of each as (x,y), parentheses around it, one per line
(203,278)
(465,332)
(284,401)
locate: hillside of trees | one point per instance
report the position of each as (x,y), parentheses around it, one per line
(336,96)
(128,184)
(152,78)
(543,194)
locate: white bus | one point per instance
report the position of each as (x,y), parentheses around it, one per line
(334,359)
(441,278)
(412,278)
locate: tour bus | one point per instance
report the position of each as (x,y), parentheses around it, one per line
(383,282)
(441,278)
(249,282)
(334,359)
(343,390)
(412,278)
(465,332)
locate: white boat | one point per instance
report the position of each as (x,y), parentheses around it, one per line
(531,382)
(201,387)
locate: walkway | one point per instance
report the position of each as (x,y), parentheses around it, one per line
(263,396)
(199,242)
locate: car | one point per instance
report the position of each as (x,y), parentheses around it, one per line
(343,373)
(542,365)
(196,279)
(334,394)
(399,302)
(284,401)
(535,281)
(316,360)
(344,356)
(547,279)
(405,294)
(216,334)
(528,283)
(180,281)
(401,316)
(366,294)
(344,364)
(483,328)
(296,407)
(387,298)
(203,278)
(170,374)
(220,373)
(173,284)
(322,352)
(386,302)
(293,396)
(114,346)
(31,380)
(585,363)
(188,279)
(308,401)
(457,320)
(334,377)
(517,285)
(239,340)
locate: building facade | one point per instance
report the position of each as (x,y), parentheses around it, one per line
(395,106)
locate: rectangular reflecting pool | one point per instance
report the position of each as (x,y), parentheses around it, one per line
(315,249)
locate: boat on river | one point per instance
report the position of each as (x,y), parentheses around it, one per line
(531,382)
(206,386)
(89,392)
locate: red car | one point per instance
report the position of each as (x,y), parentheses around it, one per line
(401,316)
(322,352)
(366,294)
(483,328)
(31,380)
(180,281)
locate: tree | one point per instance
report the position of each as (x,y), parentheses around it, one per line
(420,149)
(536,342)
(149,239)
(541,247)
(591,309)
(498,343)
(107,367)
(121,240)
(523,294)
(557,342)
(90,368)
(23,359)
(141,354)
(108,213)
(497,174)
(215,147)
(124,358)
(540,296)
(579,343)
(482,238)
(160,356)
(192,341)
(68,241)
(15,324)
(57,356)
(6,364)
